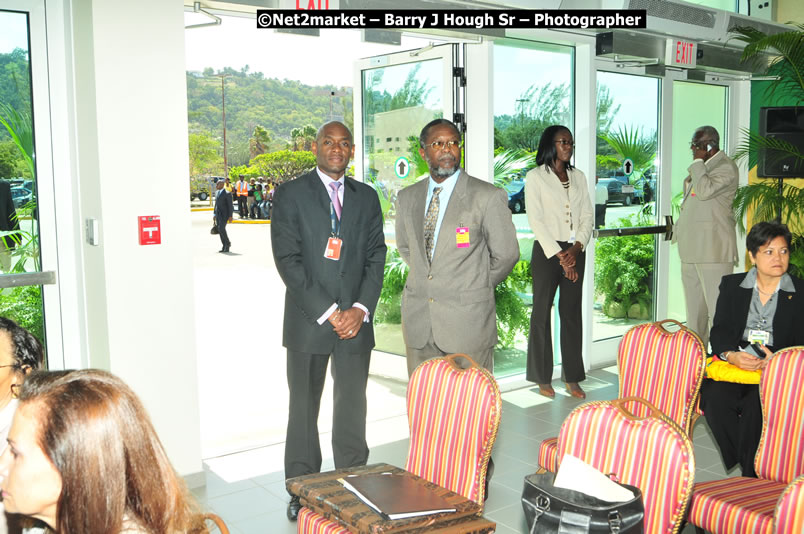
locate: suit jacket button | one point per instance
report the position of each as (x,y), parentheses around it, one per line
(429,276)
(431,300)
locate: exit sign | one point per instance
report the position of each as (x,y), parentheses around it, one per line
(681,53)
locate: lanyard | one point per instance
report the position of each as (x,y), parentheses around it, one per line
(335,222)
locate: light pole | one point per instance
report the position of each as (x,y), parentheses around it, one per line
(223,111)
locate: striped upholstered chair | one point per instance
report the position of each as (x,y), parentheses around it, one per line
(741,504)
(789,514)
(665,368)
(651,453)
(454,414)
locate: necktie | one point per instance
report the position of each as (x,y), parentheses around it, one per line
(430,223)
(336,202)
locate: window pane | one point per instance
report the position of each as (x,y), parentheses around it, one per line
(628,126)
(533,89)
(19,230)
(397,102)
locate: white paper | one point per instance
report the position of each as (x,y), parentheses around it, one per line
(577,475)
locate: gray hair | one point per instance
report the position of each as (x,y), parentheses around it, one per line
(709,133)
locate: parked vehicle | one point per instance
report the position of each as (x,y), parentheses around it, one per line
(620,190)
(516,196)
(20,196)
(199,188)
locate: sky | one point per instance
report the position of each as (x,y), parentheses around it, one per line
(13,32)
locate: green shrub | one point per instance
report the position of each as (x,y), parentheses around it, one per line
(396,273)
(623,273)
(512,314)
(24,306)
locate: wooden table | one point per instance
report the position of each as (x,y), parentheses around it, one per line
(322,493)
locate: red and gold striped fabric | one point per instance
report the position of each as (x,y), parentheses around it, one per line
(789,515)
(780,456)
(310,522)
(548,454)
(735,505)
(665,368)
(651,453)
(454,415)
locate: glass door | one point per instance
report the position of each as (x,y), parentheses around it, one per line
(626,194)
(396,95)
(28,290)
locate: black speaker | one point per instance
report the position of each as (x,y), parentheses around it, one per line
(785,124)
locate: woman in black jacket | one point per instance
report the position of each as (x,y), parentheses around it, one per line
(757,313)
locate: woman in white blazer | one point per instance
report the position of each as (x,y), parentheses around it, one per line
(561,217)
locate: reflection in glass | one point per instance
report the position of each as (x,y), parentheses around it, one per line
(19,229)
(626,187)
(526,101)
(397,102)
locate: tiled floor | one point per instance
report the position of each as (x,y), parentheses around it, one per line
(256,504)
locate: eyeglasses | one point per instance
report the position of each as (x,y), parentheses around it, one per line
(564,142)
(700,144)
(440,145)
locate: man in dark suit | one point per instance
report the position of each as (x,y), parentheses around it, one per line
(224,210)
(329,249)
(8,222)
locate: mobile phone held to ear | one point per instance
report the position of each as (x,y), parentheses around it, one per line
(708,147)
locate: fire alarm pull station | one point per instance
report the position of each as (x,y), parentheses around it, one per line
(150,230)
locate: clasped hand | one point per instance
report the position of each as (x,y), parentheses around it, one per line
(347,323)
(567,260)
(749,362)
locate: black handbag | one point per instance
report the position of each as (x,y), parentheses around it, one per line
(214,229)
(551,509)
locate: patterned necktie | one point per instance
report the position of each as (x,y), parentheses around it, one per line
(430,223)
(336,202)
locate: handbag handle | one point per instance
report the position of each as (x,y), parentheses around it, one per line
(620,405)
(452,359)
(661,325)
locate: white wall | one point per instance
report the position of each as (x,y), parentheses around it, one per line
(130,133)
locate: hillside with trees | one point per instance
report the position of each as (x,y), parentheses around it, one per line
(15,94)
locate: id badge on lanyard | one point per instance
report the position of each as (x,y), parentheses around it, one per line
(334,243)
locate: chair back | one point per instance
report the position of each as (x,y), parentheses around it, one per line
(651,453)
(780,456)
(454,415)
(665,368)
(218,523)
(789,514)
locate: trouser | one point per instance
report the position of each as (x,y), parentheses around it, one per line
(701,283)
(600,215)
(241,205)
(306,374)
(221,224)
(255,211)
(734,415)
(548,275)
(415,357)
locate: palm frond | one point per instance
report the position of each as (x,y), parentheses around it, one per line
(630,143)
(754,145)
(765,201)
(20,128)
(786,51)
(507,165)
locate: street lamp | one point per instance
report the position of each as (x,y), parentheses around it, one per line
(223,111)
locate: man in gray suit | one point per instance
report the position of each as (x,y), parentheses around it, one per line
(705,231)
(456,234)
(329,249)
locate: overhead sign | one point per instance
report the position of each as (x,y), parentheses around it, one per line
(628,167)
(402,167)
(681,53)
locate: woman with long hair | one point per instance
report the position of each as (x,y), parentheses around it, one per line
(83,457)
(561,217)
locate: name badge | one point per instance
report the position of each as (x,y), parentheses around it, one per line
(462,237)
(333,250)
(758,336)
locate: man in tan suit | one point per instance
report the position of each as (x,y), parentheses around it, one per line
(456,234)
(705,231)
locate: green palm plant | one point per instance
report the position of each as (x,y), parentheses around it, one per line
(782,56)
(631,143)
(20,128)
(509,163)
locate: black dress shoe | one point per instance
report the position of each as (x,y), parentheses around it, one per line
(293,507)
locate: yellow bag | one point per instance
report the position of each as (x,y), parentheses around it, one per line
(717,369)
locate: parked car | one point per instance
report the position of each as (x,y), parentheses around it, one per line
(619,188)
(20,196)
(516,196)
(199,187)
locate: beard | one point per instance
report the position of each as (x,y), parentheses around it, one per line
(444,167)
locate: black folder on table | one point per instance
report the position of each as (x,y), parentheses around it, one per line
(396,496)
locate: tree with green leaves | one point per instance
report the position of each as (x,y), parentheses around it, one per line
(283,165)
(260,142)
(204,155)
(631,143)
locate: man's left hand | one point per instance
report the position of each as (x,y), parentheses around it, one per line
(350,322)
